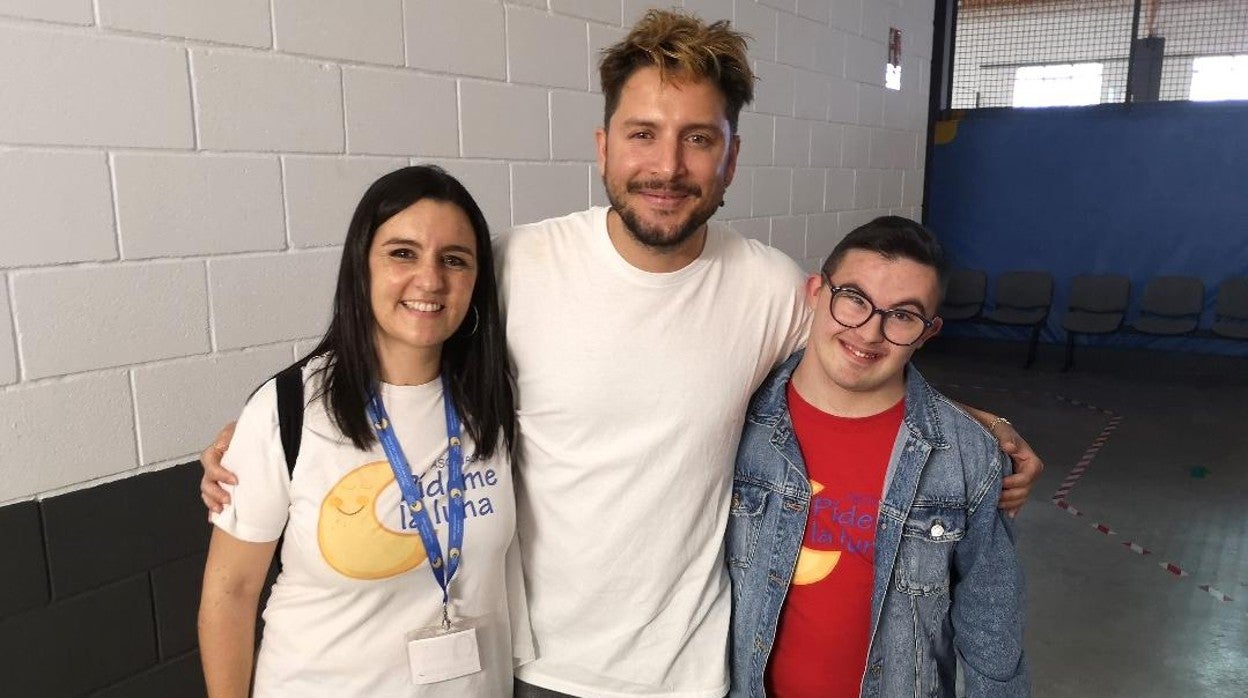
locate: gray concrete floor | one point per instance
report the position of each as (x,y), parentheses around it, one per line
(1171,477)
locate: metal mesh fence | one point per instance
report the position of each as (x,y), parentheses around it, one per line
(1026,53)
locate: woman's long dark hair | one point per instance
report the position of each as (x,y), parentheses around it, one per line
(475,362)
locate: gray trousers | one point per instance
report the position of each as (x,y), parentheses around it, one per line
(528,690)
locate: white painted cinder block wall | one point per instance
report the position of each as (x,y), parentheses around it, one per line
(175,177)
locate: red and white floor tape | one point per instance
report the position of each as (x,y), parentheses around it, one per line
(1072,478)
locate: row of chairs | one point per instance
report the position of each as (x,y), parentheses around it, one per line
(1170,306)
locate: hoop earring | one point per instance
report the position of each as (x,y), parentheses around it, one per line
(476,321)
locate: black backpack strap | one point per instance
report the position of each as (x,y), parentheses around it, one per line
(290,412)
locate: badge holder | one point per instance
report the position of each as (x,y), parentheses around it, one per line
(448,651)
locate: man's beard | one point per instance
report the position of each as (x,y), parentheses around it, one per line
(653,236)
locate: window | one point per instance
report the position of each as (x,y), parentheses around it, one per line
(1057,85)
(1219,77)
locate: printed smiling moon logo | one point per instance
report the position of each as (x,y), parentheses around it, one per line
(351,537)
(814,565)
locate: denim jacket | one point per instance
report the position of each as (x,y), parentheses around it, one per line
(948,584)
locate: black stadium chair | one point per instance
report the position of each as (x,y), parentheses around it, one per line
(1023,299)
(1097,305)
(1171,305)
(1230,309)
(964,298)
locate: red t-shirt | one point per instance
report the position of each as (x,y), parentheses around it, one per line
(825,625)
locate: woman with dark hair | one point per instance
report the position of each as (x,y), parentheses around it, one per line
(399,573)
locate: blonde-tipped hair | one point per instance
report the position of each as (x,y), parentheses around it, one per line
(682,47)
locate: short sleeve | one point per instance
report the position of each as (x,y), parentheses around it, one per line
(799,321)
(792,311)
(260,502)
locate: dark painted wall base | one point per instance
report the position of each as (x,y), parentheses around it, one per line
(101,588)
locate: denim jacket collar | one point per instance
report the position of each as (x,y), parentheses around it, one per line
(769,409)
(770,402)
(922,416)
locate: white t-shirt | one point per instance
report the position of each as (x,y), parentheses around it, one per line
(354,575)
(632,393)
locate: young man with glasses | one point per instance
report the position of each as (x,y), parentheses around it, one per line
(867,552)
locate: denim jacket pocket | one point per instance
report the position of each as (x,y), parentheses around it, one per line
(927,542)
(745,521)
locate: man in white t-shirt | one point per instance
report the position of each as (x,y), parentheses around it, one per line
(638,333)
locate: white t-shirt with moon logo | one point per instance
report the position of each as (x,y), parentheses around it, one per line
(355,578)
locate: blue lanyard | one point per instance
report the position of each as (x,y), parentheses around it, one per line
(443,568)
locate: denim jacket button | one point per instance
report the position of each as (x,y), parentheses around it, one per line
(937,530)
(875,669)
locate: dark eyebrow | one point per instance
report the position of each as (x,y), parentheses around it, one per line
(402,241)
(647,123)
(644,123)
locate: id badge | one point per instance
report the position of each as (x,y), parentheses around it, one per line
(437,654)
